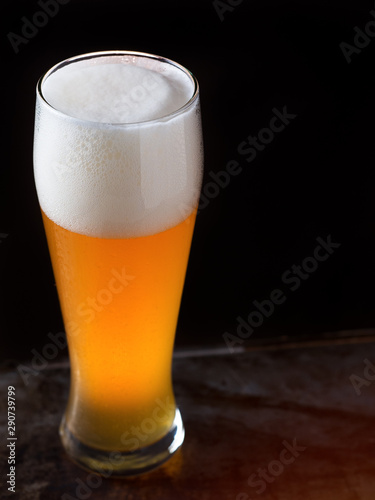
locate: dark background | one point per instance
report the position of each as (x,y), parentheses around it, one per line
(314,179)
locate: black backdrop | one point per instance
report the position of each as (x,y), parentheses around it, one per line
(313,179)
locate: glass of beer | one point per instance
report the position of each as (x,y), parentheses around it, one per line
(118,162)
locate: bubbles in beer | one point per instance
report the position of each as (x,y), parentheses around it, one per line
(110,157)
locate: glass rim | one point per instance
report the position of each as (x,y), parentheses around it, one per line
(114,53)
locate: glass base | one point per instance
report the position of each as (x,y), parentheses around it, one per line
(123,463)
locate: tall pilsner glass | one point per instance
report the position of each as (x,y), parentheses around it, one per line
(118,168)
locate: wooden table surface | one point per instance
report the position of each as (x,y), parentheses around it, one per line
(283,423)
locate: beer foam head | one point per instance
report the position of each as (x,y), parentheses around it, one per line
(118,150)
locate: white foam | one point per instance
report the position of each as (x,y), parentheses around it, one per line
(100,173)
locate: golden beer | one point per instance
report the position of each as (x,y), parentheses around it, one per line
(120,300)
(118,170)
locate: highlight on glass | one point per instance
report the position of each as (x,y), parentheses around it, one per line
(118,162)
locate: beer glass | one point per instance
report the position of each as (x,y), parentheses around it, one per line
(118,162)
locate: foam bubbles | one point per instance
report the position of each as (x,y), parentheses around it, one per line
(98,172)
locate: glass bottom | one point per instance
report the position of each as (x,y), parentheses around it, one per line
(124,463)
